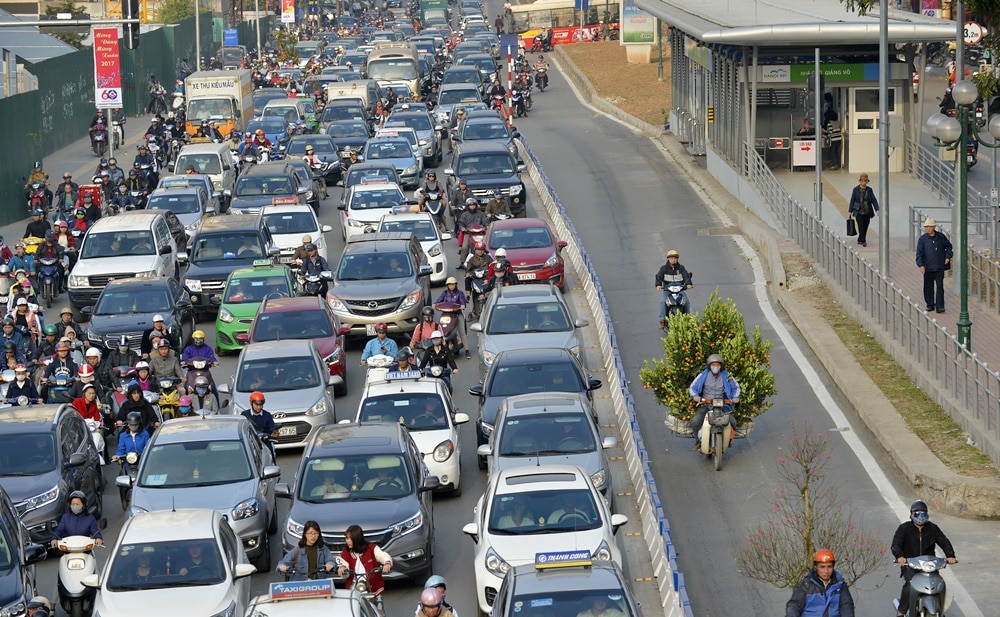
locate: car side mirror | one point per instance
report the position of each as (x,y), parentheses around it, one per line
(472,530)
(283,490)
(76,459)
(425,270)
(170,167)
(608,443)
(448,171)
(521,167)
(326,229)
(484,450)
(215,301)
(617,520)
(87,310)
(123,481)
(343,330)
(33,553)
(166,249)
(274,251)
(223,388)
(593,384)
(476,391)
(476,327)
(342,207)
(182,257)
(273,471)
(430,483)
(562,244)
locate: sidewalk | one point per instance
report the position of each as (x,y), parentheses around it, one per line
(904,191)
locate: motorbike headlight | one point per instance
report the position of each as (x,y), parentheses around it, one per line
(225,316)
(412,169)
(295,528)
(411,299)
(43,499)
(443,451)
(599,478)
(318,409)
(488,357)
(76,563)
(603,552)
(516,189)
(229,611)
(410,524)
(147,274)
(193,285)
(336,304)
(495,564)
(552,261)
(246,509)
(434,251)
(75,280)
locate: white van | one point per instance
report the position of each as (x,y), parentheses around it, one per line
(211,159)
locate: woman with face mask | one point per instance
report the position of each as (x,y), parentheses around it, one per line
(22,386)
(711,384)
(77,522)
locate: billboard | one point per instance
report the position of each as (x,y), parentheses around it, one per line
(107,69)
(288,11)
(637,26)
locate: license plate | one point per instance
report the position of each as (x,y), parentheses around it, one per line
(526,276)
(287,431)
(370,329)
(285,259)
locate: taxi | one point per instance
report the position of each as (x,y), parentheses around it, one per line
(424,406)
(245,290)
(318,597)
(366,203)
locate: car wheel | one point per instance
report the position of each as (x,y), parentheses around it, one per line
(263,561)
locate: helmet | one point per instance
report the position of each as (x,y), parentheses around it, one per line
(541,57)
(673,253)
(260,132)
(470,202)
(94,352)
(311,247)
(104,161)
(37,212)
(50,330)
(140,365)
(823,555)
(403,354)
(49,234)
(451,281)
(256,397)
(123,341)
(430,597)
(60,346)
(918,512)
(185,401)
(85,371)
(133,419)
(714,358)
(431,172)
(478,246)
(435,581)
(917,506)
(112,161)
(163,343)
(502,264)
(436,334)
(307,239)
(77,495)
(427,312)
(10,347)
(381,327)
(198,334)
(497,193)
(201,380)
(38,164)
(500,252)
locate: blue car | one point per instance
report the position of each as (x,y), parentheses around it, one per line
(275,129)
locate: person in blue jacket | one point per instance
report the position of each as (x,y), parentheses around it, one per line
(823,592)
(711,384)
(309,558)
(134,439)
(381,344)
(77,522)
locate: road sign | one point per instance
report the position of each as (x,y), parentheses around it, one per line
(972,33)
(230,37)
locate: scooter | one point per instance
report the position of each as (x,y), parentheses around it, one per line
(126,478)
(169,397)
(716,432)
(435,205)
(59,385)
(480,290)
(517,103)
(378,366)
(36,195)
(319,170)
(542,78)
(440,372)
(97,436)
(99,137)
(448,320)
(76,563)
(312,283)
(674,301)
(118,134)
(123,375)
(360,585)
(198,367)
(48,275)
(929,595)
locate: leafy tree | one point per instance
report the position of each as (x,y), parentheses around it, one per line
(74,9)
(284,43)
(176,11)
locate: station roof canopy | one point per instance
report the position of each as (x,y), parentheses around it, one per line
(791,22)
(28,43)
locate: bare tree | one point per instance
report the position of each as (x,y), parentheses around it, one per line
(808,515)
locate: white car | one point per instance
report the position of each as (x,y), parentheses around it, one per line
(318,597)
(174,562)
(364,206)
(424,406)
(289,222)
(537,509)
(431,240)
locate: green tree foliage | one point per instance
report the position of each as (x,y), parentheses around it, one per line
(74,9)
(176,11)
(284,43)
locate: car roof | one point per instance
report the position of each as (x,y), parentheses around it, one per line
(13,419)
(170,525)
(513,293)
(287,348)
(202,148)
(532,355)
(202,428)
(137,282)
(348,437)
(285,208)
(527,479)
(291,305)
(176,190)
(519,224)
(483,147)
(231,222)
(375,186)
(598,575)
(555,402)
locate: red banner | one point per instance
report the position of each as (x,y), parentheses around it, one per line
(107,69)
(288,11)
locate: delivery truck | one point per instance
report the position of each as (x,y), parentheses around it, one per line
(223,96)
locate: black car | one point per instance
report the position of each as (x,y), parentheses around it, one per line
(348,135)
(306,178)
(524,371)
(127,306)
(46,453)
(325,150)
(17,570)
(486,166)
(265,184)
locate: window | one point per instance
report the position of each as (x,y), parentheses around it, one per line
(157,565)
(27,454)
(196,463)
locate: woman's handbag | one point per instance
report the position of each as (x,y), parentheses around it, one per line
(852,228)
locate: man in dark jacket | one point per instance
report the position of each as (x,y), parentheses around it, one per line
(823,592)
(933,258)
(914,538)
(672,272)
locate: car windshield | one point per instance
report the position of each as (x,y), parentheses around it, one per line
(457,95)
(520,237)
(277,374)
(388,150)
(232,55)
(423,229)
(124,301)
(209,109)
(333,113)
(313,324)
(291,223)
(541,512)
(486,164)
(320,146)
(493,130)
(354,176)
(178,204)
(347,129)
(605,602)
(417,122)
(368,266)
(264,96)
(375,199)
(256,186)
(392,69)
(202,163)
(522,378)
(271,126)
(29,454)
(117,244)
(254,290)
(461,77)
(546,434)
(417,411)
(165,565)
(194,463)
(355,478)
(520,318)
(288,113)
(226,246)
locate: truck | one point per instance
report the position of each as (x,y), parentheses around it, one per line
(433,8)
(223,96)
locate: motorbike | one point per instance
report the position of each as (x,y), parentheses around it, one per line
(360,585)
(448,321)
(434,203)
(99,137)
(319,169)
(169,397)
(716,432)
(59,385)
(311,283)
(97,435)
(118,134)
(674,301)
(6,378)
(198,367)
(538,44)
(126,478)
(929,596)
(77,562)
(498,104)
(123,375)
(527,97)
(48,275)
(440,372)
(542,78)
(39,606)
(177,100)
(36,195)
(480,291)
(378,365)
(517,103)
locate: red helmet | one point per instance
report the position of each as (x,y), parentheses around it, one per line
(381,327)
(86,371)
(260,132)
(256,396)
(823,555)
(478,245)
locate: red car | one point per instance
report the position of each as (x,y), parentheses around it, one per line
(305,317)
(532,249)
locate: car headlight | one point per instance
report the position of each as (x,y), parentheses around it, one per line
(411,299)
(92,335)
(225,316)
(334,357)
(193,285)
(75,280)
(295,528)
(356,223)
(193,226)
(513,150)
(309,195)
(552,261)
(15,609)
(146,274)
(412,169)
(434,251)
(487,428)
(599,478)
(495,564)
(443,451)
(516,189)
(318,409)
(246,509)
(33,503)
(603,552)
(488,357)
(575,350)
(229,611)
(336,304)
(410,524)
(423,142)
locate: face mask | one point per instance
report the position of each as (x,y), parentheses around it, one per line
(20,377)
(75,509)
(715,369)
(919,517)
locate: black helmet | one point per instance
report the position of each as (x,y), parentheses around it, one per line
(427,312)
(918,513)
(10,347)
(918,505)
(402,354)
(123,340)
(502,264)
(133,419)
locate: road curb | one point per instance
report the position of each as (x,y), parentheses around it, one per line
(931,481)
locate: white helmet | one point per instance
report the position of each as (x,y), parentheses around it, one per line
(500,252)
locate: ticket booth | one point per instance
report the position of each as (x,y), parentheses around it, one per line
(861,129)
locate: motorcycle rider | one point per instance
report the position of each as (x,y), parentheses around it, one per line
(164,362)
(352,158)
(453,295)
(460,196)
(135,402)
(122,355)
(672,272)
(5,255)
(823,592)
(198,349)
(25,319)
(144,376)
(711,384)
(77,522)
(425,328)
(146,346)
(914,538)
(453,125)
(202,398)
(137,183)
(156,94)
(314,264)
(261,418)
(38,174)
(360,555)
(249,146)
(310,157)
(134,439)
(61,360)
(260,140)
(402,363)
(117,173)
(22,386)
(66,196)
(145,157)
(103,374)
(156,129)
(86,401)
(98,121)
(438,582)
(38,225)
(300,251)
(123,199)
(543,65)
(381,344)
(471,217)
(479,258)
(439,354)
(498,205)
(50,249)
(46,346)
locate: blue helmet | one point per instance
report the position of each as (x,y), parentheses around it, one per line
(435,581)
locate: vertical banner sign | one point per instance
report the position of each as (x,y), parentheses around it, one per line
(230,37)
(107,69)
(638,26)
(288,11)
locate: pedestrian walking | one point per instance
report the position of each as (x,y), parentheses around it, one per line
(933,258)
(863,206)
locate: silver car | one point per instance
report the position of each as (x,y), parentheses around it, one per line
(526,317)
(296,383)
(214,462)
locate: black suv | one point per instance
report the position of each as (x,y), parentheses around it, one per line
(265,184)
(46,453)
(17,572)
(222,244)
(488,166)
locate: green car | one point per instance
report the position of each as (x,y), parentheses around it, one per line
(245,290)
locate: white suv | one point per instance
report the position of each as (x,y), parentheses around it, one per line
(289,222)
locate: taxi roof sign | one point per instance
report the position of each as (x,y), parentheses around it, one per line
(284,201)
(402,375)
(375,180)
(300,590)
(562,559)
(262,263)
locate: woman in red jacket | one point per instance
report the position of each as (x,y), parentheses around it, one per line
(87,404)
(362,557)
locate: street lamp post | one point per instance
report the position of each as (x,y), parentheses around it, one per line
(955,133)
